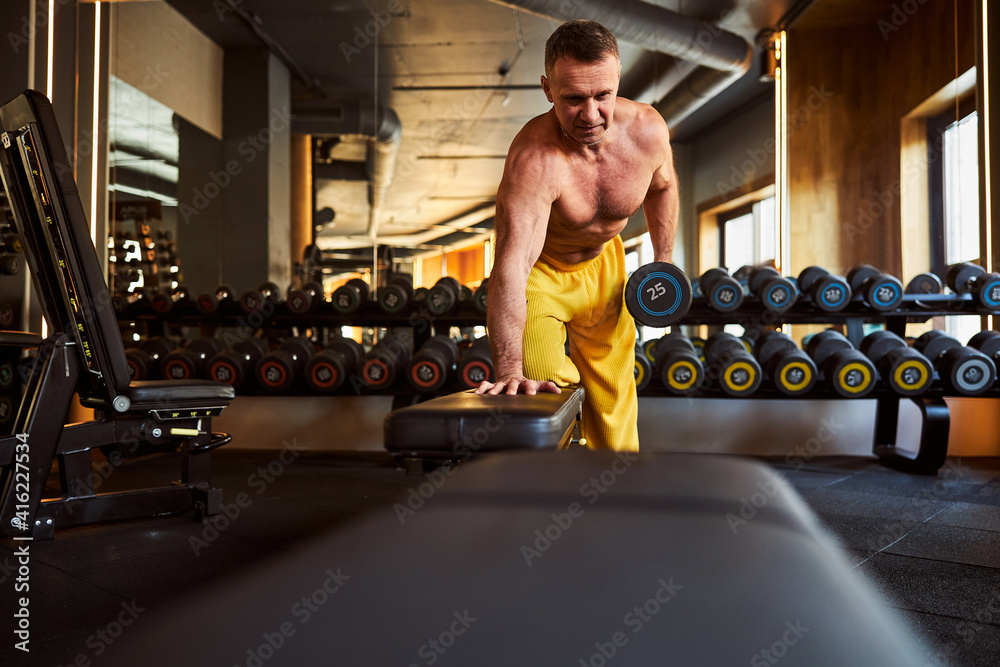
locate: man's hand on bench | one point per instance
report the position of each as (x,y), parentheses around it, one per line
(514,384)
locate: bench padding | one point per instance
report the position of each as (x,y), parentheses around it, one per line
(557,557)
(467,422)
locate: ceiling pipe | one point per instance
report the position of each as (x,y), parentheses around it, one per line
(723,56)
(359,117)
(469,219)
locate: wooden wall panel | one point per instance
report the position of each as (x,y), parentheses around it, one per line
(849,88)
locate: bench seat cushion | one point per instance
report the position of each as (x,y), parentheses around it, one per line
(467,422)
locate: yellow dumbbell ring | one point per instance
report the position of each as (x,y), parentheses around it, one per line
(796,386)
(916,365)
(740,365)
(671,375)
(855,366)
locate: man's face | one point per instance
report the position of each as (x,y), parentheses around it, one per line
(583,96)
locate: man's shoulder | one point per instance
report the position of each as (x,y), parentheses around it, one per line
(535,144)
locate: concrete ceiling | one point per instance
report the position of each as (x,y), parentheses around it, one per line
(463,77)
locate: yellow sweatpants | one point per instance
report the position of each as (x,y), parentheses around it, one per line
(583,302)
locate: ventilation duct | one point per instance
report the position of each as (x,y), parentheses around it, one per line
(723,56)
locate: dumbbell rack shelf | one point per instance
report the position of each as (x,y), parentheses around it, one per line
(915,308)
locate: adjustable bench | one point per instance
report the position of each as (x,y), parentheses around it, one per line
(459,425)
(84,355)
(552,558)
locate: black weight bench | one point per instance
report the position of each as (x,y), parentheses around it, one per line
(459,425)
(553,558)
(84,355)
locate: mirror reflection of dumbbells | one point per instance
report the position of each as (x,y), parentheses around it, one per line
(964,370)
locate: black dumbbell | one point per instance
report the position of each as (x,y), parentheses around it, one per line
(210,302)
(728,359)
(904,369)
(480,298)
(722,292)
(267,295)
(789,369)
(432,364)
(123,303)
(443,296)
(848,372)
(643,369)
(969,278)
(678,366)
(164,301)
(349,297)
(742,274)
(145,360)
(830,293)
(330,367)
(475,364)
(774,291)
(396,294)
(303,299)
(188,362)
(987,342)
(236,367)
(384,363)
(648,348)
(964,370)
(6,315)
(658,294)
(280,368)
(924,283)
(880,291)
(699,346)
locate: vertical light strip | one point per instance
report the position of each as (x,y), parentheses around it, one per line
(96,110)
(50,47)
(783,252)
(988,251)
(31,45)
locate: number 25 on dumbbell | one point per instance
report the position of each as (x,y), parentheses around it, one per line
(658,294)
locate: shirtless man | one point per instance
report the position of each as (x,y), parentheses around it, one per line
(572,178)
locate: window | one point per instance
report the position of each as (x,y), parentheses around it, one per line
(957,224)
(747,235)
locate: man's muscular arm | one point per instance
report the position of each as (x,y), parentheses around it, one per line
(662,203)
(524,201)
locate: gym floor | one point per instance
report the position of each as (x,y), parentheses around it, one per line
(930,546)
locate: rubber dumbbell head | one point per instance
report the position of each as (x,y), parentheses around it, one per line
(678,366)
(278,369)
(475,365)
(790,369)
(302,300)
(848,372)
(235,368)
(443,296)
(643,369)
(966,371)
(960,276)
(728,359)
(658,294)
(430,366)
(330,367)
(349,297)
(924,283)
(189,362)
(480,299)
(385,362)
(880,291)
(775,292)
(830,293)
(904,369)
(396,295)
(723,292)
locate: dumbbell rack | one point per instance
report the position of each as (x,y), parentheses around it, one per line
(231,316)
(935,417)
